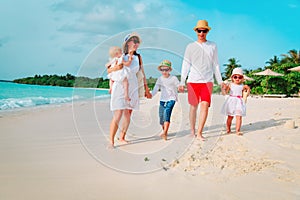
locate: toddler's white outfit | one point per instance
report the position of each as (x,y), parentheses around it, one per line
(118,75)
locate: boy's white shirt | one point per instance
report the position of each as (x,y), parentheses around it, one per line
(168,87)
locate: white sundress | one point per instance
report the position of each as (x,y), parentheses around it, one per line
(235,105)
(117,101)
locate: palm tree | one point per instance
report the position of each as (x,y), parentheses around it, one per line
(230,66)
(273,61)
(292,56)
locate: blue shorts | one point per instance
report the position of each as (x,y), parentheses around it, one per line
(165,111)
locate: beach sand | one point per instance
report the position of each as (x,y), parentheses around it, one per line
(61,153)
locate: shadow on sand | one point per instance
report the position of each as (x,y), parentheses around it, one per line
(213,131)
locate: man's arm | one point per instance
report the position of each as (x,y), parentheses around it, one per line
(186,65)
(216,66)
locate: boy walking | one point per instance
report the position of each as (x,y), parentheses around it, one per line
(168,85)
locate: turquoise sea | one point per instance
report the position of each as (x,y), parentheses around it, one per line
(16,96)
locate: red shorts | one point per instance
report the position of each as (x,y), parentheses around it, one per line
(198,92)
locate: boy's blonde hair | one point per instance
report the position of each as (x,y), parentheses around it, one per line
(113,50)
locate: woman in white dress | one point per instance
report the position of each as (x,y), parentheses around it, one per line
(119,106)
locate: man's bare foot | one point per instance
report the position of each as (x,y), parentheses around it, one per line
(228,131)
(200,137)
(239,133)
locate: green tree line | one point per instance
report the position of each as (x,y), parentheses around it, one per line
(65,81)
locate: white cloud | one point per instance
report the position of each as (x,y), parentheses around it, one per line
(139,7)
(111,17)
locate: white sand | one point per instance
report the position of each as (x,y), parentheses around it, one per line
(60,153)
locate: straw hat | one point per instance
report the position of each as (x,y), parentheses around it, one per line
(128,37)
(165,63)
(202,24)
(238,71)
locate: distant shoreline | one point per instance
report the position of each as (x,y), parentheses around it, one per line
(6,81)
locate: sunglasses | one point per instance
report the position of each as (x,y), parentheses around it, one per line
(202,31)
(238,77)
(165,70)
(135,40)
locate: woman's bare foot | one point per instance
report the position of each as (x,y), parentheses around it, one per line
(200,137)
(193,133)
(123,141)
(110,146)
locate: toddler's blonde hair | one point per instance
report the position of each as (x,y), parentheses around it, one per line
(113,50)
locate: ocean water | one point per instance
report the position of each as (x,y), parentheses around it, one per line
(16,96)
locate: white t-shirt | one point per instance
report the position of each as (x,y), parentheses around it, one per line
(168,87)
(200,63)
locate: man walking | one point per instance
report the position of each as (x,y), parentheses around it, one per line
(200,63)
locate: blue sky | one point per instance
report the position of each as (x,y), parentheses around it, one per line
(57,37)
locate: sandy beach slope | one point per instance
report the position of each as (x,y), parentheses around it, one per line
(61,153)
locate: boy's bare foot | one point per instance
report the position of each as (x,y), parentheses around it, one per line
(163,136)
(109,91)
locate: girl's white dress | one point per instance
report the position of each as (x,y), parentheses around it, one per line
(235,105)
(118,101)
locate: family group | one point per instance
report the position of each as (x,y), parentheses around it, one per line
(200,64)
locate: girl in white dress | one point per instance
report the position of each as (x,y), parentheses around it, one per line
(235,105)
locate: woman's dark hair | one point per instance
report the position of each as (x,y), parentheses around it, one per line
(125,50)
